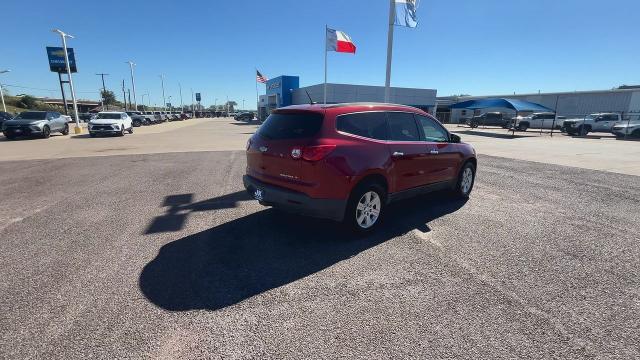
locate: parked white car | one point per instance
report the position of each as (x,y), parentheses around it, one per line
(115,123)
(544,120)
(627,129)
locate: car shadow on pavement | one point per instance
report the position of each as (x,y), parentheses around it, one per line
(253,254)
(179,206)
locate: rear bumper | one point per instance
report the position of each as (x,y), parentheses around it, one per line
(294,201)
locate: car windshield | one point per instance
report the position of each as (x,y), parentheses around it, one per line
(589,117)
(291,126)
(32,115)
(109,116)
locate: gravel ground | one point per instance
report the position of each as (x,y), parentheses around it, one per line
(164,256)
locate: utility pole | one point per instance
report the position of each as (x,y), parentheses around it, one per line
(243,105)
(64,36)
(104,88)
(133,84)
(129,92)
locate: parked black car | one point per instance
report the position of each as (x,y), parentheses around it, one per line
(4,116)
(489,119)
(137,119)
(245,116)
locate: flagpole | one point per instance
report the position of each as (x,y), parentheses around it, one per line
(257,97)
(392,17)
(325,63)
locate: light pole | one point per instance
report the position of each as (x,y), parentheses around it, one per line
(142,100)
(170,105)
(164,102)
(181,103)
(78,129)
(133,84)
(193,111)
(1,93)
(242,104)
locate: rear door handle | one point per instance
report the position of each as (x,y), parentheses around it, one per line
(434,152)
(398,153)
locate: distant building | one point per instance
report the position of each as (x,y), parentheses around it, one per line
(624,100)
(83,105)
(284,91)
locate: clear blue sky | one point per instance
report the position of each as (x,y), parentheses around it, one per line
(466,46)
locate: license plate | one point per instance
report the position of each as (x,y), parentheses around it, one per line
(258,194)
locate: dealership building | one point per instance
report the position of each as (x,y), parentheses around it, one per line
(285,90)
(624,100)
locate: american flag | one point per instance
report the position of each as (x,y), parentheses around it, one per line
(261,78)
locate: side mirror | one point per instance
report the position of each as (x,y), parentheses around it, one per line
(455,139)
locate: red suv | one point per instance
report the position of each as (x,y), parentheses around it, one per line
(346,162)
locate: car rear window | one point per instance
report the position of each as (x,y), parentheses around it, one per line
(372,125)
(291,126)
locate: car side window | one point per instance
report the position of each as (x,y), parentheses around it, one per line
(123,116)
(372,125)
(402,127)
(433,132)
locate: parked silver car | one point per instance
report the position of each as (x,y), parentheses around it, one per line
(35,123)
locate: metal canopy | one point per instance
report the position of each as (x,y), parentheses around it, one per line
(515,104)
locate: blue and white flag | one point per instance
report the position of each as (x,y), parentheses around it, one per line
(406,13)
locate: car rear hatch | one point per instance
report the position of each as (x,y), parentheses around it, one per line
(274,153)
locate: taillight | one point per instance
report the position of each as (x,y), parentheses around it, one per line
(317,153)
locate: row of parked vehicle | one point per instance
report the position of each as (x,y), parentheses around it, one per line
(44,123)
(598,122)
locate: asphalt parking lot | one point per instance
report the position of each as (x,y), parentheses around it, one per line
(147,247)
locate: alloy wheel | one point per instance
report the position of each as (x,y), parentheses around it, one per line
(368,209)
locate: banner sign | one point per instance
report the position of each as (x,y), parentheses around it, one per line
(198,98)
(56,59)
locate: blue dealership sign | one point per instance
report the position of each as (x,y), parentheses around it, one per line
(56,59)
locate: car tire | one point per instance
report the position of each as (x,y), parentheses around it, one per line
(131,130)
(46,132)
(65,131)
(365,207)
(136,123)
(92,134)
(466,180)
(523,127)
(473,125)
(10,137)
(583,131)
(635,133)
(122,131)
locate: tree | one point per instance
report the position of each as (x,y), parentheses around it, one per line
(109,97)
(230,105)
(28,102)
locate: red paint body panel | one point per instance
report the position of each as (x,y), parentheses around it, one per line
(353,158)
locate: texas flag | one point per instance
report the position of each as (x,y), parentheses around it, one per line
(339,41)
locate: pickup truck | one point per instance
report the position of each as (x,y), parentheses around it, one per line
(545,120)
(489,118)
(600,122)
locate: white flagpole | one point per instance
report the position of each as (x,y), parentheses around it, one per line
(257,96)
(392,18)
(325,63)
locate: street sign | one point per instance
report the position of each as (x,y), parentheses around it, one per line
(169,105)
(56,59)
(198,98)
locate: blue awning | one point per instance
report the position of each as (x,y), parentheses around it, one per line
(515,104)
